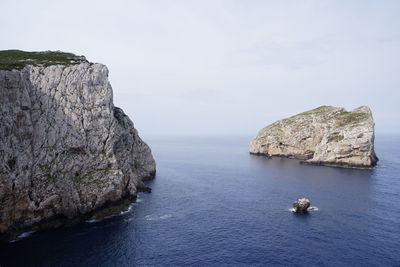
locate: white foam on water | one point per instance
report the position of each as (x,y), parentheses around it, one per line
(166,216)
(101,219)
(22,236)
(149,217)
(94,220)
(309,209)
(129,209)
(155,217)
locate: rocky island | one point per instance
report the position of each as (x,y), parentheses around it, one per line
(301,205)
(66,152)
(326,135)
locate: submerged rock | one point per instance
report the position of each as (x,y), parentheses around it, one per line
(326,135)
(65,150)
(301,205)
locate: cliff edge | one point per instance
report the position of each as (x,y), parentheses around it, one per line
(326,135)
(65,150)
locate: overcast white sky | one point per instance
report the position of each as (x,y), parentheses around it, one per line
(224,67)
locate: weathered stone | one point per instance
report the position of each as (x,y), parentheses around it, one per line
(325,135)
(65,150)
(301,205)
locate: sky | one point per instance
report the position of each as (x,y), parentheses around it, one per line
(212,67)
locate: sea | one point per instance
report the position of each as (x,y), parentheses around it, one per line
(214,204)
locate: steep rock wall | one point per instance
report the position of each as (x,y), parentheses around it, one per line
(65,150)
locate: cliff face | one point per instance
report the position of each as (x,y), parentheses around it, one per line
(65,150)
(325,135)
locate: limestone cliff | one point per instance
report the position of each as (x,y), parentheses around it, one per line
(65,150)
(325,135)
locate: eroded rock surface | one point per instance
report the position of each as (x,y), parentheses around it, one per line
(301,205)
(326,135)
(65,150)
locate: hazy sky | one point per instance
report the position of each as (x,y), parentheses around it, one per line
(224,67)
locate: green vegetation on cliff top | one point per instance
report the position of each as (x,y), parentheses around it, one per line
(17,59)
(328,114)
(354,117)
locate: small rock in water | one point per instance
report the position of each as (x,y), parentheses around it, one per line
(147,189)
(301,205)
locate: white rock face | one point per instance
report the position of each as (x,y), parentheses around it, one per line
(325,135)
(65,150)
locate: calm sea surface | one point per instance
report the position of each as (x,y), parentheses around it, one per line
(214,204)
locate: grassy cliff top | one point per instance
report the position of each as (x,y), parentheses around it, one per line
(17,59)
(335,116)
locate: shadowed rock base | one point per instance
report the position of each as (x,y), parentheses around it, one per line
(107,209)
(340,164)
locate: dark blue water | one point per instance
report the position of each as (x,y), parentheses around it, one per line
(214,204)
